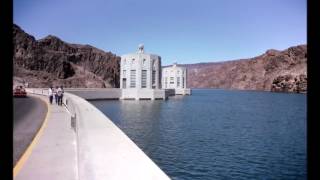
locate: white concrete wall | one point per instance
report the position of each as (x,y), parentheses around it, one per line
(111,93)
(86,93)
(41,91)
(143,94)
(96,93)
(105,152)
(183,91)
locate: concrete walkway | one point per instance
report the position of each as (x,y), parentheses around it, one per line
(92,147)
(52,154)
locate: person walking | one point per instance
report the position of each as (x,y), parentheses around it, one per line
(54,92)
(61,97)
(50,94)
(56,95)
(59,93)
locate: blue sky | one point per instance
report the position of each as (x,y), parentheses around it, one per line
(189,31)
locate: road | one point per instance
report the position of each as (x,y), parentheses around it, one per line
(28,115)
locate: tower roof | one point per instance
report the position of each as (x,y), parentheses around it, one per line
(141,48)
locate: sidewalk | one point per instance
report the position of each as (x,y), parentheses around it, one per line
(53,156)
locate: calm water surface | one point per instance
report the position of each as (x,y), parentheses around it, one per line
(219,134)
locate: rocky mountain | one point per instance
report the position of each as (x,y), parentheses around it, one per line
(51,61)
(281,71)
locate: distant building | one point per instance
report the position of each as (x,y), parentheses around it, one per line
(140,76)
(175,77)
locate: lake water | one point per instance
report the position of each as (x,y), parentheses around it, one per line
(218,134)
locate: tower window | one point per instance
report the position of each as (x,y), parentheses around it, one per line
(153,79)
(182,82)
(178,81)
(171,80)
(143,78)
(133,78)
(166,82)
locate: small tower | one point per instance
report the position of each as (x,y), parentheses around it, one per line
(175,77)
(141,48)
(140,76)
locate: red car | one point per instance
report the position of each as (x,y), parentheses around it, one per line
(19,91)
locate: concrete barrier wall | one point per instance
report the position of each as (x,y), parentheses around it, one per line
(143,94)
(40,91)
(172,92)
(95,93)
(104,151)
(159,93)
(86,93)
(183,91)
(116,93)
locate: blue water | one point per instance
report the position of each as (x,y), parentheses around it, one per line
(219,134)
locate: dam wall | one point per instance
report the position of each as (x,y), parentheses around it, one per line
(96,93)
(103,150)
(119,94)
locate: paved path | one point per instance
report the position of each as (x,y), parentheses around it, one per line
(28,116)
(52,154)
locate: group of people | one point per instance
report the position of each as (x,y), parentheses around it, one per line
(57,93)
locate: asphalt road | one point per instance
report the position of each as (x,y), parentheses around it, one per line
(28,115)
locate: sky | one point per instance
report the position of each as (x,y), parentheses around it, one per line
(182,31)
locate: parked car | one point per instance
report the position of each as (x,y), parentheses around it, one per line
(19,91)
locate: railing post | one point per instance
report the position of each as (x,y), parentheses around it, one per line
(73,122)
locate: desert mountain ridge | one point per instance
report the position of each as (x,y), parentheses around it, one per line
(284,71)
(51,61)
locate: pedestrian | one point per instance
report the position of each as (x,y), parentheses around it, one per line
(56,94)
(61,97)
(59,93)
(50,94)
